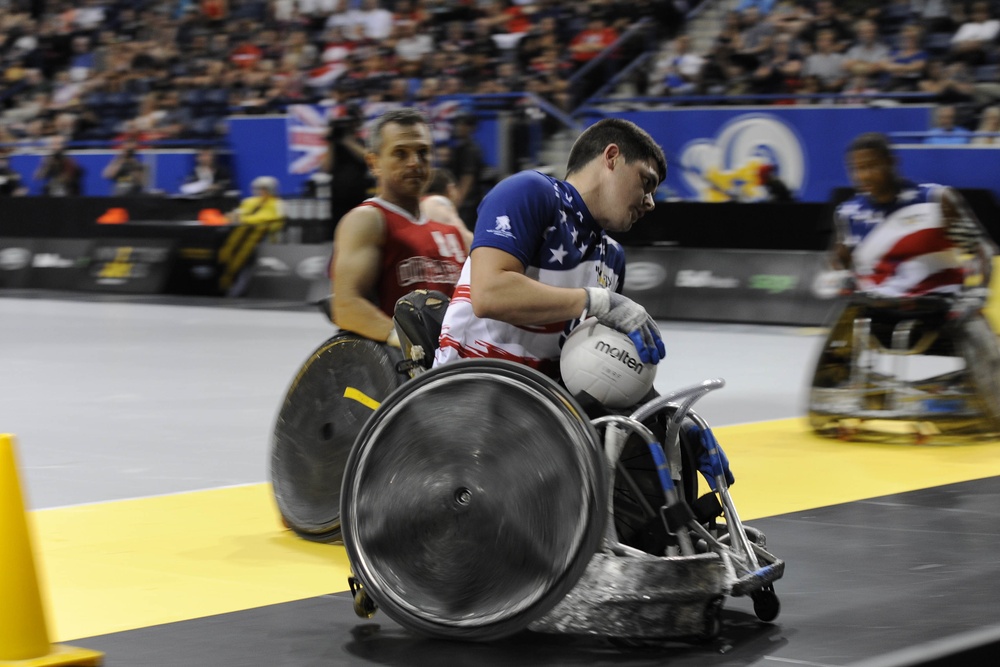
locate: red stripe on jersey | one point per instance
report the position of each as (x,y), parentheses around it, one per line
(944,278)
(490,351)
(921,242)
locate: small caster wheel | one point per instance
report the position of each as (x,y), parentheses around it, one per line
(765,604)
(364,606)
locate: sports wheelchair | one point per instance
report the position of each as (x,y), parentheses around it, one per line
(920,369)
(480,499)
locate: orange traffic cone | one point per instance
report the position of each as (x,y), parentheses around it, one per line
(24,635)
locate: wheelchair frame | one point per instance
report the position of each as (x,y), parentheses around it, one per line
(849,399)
(622,592)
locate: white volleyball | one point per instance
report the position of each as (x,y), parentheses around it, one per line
(604,363)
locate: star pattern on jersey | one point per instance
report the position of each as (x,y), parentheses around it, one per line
(558,254)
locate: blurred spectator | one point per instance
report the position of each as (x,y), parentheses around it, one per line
(907,63)
(351,182)
(589,42)
(263,208)
(974,40)
(780,70)
(826,19)
(754,38)
(675,70)
(468,165)
(935,15)
(127,173)
(867,56)
(949,83)
(60,174)
(762,6)
(209,178)
(826,64)
(10,180)
(412,45)
(989,121)
(945,130)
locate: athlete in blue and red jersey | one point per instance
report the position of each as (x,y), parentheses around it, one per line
(901,239)
(542,259)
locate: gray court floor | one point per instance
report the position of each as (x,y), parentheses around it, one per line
(112,399)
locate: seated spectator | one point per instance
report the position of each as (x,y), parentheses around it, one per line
(675,70)
(764,7)
(589,43)
(949,83)
(826,19)
(945,131)
(907,63)
(989,121)
(826,64)
(263,208)
(754,40)
(973,41)
(126,171)
(780,70)
(867,56)
(61,175)
(209,178)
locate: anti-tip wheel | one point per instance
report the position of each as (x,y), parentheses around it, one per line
(765,604)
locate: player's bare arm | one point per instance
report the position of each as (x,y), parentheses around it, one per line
(441,209)
(357,256)
(501,291)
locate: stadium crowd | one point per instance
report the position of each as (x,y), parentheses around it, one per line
(947,52)
(153,70)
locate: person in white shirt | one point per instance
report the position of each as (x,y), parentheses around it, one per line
(973,38)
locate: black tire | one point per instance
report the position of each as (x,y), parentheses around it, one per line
(473,501)
(635,525)
(317,425)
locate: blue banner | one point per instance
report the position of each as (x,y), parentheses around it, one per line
(716,153)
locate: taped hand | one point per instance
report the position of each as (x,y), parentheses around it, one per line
(623,314)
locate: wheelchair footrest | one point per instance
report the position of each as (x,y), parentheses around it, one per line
(642,597)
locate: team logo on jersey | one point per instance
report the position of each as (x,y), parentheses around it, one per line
(728,166)
(502,227)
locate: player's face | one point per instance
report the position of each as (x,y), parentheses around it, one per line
(403,165)
(872,173)
(633,184)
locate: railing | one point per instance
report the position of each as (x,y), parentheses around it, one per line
(870,99)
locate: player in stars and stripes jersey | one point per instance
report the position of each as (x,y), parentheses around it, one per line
(542,259)
(900,239)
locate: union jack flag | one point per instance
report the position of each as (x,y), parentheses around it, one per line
(307,145)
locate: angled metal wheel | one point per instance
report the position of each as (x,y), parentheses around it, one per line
(333,394)
(473,500)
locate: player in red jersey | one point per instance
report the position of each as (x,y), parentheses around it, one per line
(385,248)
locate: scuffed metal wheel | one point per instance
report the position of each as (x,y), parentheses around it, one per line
(473,501)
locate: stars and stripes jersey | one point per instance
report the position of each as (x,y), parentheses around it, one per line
(418,254)
(902,248)
(544,223)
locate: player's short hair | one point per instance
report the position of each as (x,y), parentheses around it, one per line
(634,142)
(440,180)
(872,141)
(405,116)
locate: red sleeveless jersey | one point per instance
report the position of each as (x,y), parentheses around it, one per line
(418,254)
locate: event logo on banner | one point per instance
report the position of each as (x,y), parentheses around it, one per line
(308,126)
(728,166)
